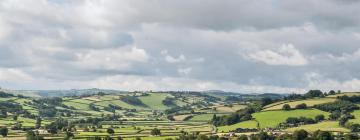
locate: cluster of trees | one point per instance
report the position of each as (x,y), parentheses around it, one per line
(242,115)
(310,94)
(299,106)
(4,131)
(353,99)
(112,108)
(294,121)
(132,100)
(337,105)
(93,107)
(11,107)
(169,101)
(31,135)
(5,95)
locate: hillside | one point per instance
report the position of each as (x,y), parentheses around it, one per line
(136,114)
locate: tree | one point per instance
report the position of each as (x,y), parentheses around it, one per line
(314,93)
(15,117)
(300,135)
(155,132)
(108,138)
(301,106)
(351,137)
(286,107)
(119,138)
(242,137)
(265,101)
(38,123)
(319,118)
(332,92)
(335,115)
(4,131)
(30,135)
(69,135)
(323,135)
(110,131)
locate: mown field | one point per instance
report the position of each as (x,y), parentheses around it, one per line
(308,102)
(332,126)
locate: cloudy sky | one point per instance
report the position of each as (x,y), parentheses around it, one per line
(231,45)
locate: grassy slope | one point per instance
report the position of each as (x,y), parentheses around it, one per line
(273,118)
(204,117)
(345,93)
(245,124)
(324,126)
(356,113)
(154,101)
(308,102)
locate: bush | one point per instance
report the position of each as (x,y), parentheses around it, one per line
(110,131)
(4,131)
(301,106)
(319,118)
(286,107)
(155,132)
(300,134)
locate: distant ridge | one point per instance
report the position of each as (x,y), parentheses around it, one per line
(59,93)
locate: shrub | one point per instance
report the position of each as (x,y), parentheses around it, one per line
(301,106)
(286,107)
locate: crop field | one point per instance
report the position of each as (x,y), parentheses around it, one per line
(308,102)
(332,126)
(273,118)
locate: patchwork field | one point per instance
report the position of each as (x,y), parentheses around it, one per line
(273,118)
(154,101)
(245,124)
(308,102)
(346,93)
(332,126)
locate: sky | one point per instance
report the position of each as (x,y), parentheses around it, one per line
(246,46)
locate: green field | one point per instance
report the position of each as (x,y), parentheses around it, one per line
(154,101)
(203,117)
(273,118)
(345,93)
(245,124)
(308,102)
(356,113)
(324,126)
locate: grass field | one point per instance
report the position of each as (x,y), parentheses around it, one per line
(273,118)
(154,101)
(202,117)
(245,124)
(308,102)
(345,93)
(356,113)
(227,109)
(324,126)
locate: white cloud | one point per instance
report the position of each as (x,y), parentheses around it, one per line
(112,59)
(285,55)
(171,59)
(14,75)
(184,71)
